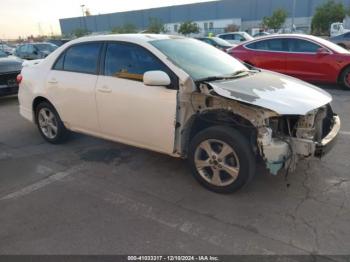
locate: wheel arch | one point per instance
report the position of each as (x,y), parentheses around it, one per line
(339,80)
(204,120)
(36,102)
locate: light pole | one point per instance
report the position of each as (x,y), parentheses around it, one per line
(293,15)
(84,22)
(82,9)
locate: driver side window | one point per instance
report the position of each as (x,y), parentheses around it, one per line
(130,61)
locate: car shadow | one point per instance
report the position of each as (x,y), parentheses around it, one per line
(6,100)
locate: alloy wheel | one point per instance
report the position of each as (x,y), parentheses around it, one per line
(48,123)
(217,162)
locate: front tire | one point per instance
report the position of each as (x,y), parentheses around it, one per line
(221,159)
(49,124)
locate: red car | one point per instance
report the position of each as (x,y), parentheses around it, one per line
(306,57)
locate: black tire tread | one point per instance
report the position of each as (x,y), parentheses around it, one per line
(243,149)
(62,134)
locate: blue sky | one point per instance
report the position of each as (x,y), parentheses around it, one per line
(26,17)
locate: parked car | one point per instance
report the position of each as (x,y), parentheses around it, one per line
(236,37)
(180,97)
(6,49)
(31,51)
(261,34)
(10,67)
(306,57)
(342,40)
(217,42)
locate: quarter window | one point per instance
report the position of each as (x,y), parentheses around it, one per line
(302,46)
(59,63)
(130,61)
(82,58)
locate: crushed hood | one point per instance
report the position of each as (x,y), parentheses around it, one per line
(283,94)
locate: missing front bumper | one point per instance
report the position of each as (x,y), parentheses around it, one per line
(327,143)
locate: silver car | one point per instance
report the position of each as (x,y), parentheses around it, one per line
(342,40)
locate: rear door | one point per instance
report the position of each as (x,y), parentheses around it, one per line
(268,54)
(305,63)
(71,86)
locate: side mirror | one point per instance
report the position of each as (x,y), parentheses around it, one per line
(35,52)
(323,51)
(156,78)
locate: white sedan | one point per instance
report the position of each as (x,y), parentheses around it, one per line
(180,97)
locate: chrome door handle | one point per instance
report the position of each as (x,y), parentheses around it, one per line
(104,89)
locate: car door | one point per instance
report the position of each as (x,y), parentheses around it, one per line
(129,111)
(71,86)
(268,54)
(304,62)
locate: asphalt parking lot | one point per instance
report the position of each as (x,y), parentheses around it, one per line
(91,196)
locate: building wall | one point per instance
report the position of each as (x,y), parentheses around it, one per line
(248,11)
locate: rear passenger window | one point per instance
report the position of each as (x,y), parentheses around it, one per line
(130,61)
(302,46)
(82,58)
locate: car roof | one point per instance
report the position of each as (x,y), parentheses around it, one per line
(230,33)
(126,37)
(272,36)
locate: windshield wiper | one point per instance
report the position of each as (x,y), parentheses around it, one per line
(211,78)
(236,74)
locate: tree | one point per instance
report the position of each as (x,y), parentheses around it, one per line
(275,21)
(79,32)
(231,28)
(325,15)
(155,26)
(125,29)
(188,27)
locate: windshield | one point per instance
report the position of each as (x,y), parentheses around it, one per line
(198,59)
(46,47)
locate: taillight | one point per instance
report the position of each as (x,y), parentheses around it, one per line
(19,78)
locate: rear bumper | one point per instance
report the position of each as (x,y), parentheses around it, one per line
(327,143)
(7,90)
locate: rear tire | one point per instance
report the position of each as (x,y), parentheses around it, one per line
(49,124)
(221,159)
(345,78)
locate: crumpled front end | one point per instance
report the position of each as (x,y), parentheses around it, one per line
(287,139)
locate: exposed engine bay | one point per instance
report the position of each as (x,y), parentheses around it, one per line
(281,140)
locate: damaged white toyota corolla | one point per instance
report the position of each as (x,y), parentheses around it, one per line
(180,97)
